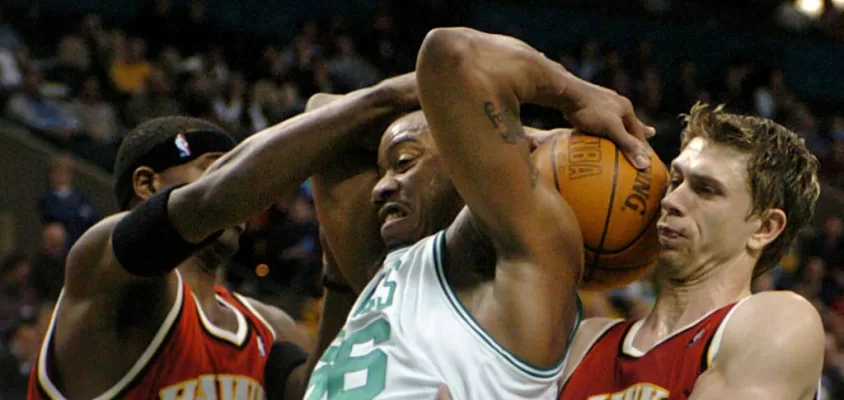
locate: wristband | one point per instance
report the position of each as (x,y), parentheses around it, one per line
(336,287)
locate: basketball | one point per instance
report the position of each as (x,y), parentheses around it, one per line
(616,205)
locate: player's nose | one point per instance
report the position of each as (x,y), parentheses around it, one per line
(384,189)
(671,203)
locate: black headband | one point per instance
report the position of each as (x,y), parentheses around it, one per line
(178,149)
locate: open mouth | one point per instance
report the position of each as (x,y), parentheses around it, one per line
(392,212)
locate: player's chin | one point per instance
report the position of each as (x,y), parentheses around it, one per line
(403,232)
(670,257)
(398,239)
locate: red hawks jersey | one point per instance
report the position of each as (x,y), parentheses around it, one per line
(189,357)
(612,369)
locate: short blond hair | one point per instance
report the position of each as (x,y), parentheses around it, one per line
(782,172)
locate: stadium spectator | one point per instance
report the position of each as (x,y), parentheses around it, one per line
(47,276)
(19,346)
(349,69)
(31,108)
(65,204)
(16,296)
(98,118)
(829,244)
(229,101)
(155,101)
(130,68)
(16,359)
(70,66)
(10,39)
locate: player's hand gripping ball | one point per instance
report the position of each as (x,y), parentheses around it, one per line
(616,205)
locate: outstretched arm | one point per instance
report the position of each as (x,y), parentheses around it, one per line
(342,192)
(254,174)
(471,85)
(348,225)
(772,348)
(235,187)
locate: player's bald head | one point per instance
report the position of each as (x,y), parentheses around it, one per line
(412,126)
(414,122)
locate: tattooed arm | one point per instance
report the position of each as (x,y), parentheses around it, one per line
(470,86)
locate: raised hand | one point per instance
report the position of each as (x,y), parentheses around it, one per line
(600,111)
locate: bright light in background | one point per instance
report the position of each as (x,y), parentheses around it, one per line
(839,4)
(811,8)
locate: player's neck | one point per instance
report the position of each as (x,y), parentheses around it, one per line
(202,281)
(681,302)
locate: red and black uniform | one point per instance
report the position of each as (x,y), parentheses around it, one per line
(612,369)
(188,358)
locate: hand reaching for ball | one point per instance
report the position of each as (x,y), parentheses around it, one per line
(596,110)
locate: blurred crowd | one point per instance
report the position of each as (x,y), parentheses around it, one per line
(99,79)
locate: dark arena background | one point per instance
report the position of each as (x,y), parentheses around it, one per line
(76,76)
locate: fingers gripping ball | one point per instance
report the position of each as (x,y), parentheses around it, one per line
(616,205)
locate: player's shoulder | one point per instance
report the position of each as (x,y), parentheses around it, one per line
(786,313)
(96,236)
(285,327)
(92,251)
(766,327)
(780,309)
(275,317)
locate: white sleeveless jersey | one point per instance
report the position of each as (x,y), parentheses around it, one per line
(408,333)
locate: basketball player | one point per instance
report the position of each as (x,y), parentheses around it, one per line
(140,315)
(448,303)
(342,187)
(741,190)
(349,227)
(128,323)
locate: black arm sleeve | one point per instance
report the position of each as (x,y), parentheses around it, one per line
(146,243)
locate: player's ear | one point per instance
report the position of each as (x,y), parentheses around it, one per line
(772,223)
(144,182)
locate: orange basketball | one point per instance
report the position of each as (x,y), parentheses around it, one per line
(616,205)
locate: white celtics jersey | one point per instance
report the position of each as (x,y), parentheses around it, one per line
(408,334)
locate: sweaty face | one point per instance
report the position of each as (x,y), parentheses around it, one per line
(227,244)
(415,195)
(705,211)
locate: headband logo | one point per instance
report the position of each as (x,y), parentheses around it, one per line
(182,145)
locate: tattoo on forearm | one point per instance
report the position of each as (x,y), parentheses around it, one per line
(511,133)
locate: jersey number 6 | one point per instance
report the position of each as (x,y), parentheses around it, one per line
(371,367)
